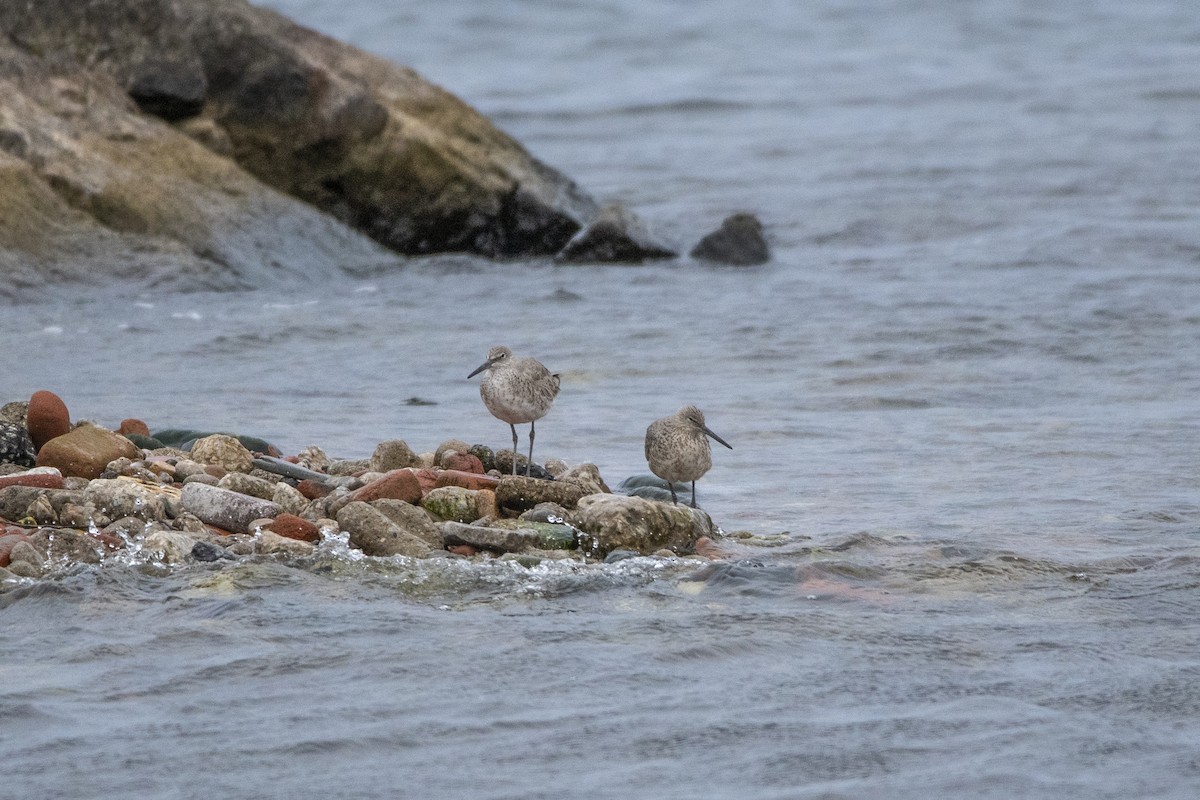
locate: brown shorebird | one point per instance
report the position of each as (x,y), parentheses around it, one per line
(516,390)
(678,450)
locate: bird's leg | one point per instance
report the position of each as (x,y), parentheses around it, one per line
(674,499)
(693,494)
(529,466)
(514,430)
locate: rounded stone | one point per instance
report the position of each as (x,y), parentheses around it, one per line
(86,451)
(223,451)
(293,527)
(393,454)
(46,418)
(134,426)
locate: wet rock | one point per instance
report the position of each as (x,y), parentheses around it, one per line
(206,551)
(26,561)
(224,451)
(496,540)
(547,512)
(372,532)
(400,484)
(451,503)
(171,546)
(278,467)
(392,455)
(614,235)
(67,545)
(225,509)
(116,498)
(586,476)
(42,511)
(550,535)
(412,519)
(738,242)
(40,477)
(293,527)
(15,445)
(270,543)
(615,522)
(85,451)
(518,493)
(46,418)
(248,484)
(126,528)
(73,515)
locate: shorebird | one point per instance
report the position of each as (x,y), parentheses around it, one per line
(678,450)
(516,390)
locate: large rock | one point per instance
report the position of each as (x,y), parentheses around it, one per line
(139,134)
(376,535)
(618,522)
(411,519)
(117,498)
(85,451)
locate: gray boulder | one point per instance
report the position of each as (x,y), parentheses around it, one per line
(231,511)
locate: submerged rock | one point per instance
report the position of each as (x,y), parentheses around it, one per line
(614,235)
(738,242)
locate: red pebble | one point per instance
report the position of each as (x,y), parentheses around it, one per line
(313,489)
(46,418)
(463,462)
(38,479)
(109,540)
(294,527)
(399,484)
(134,426)
(463,549)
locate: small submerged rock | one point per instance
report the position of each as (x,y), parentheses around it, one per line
(738,242)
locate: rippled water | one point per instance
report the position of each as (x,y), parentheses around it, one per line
(964,389)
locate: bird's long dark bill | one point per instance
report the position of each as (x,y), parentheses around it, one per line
(480,369)
(718,438)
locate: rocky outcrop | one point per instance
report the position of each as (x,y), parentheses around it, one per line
(213,144)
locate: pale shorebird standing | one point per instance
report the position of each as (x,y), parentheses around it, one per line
(678,450)
(516,390)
